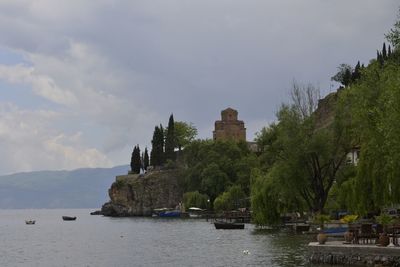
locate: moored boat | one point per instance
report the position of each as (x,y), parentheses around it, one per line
(195,212)
(30,222)
(68,218)
(170,214)
(165,212)
(228,225)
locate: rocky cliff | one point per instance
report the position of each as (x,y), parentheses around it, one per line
(138,195)
(325,112)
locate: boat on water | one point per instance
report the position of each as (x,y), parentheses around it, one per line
(228,225)
(68,218)
(195,212)
(170,214)
(166,213)
(30,222)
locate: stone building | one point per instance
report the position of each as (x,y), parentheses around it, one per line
(229,127)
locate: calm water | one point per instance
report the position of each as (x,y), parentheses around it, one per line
(101,241)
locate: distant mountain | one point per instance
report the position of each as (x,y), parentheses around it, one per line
(81,188)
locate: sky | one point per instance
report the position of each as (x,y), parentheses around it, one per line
(82,81)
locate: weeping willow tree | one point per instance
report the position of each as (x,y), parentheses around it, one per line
(264,199)
(375,123)
(301,159)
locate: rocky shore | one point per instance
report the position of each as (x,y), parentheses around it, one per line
(139,194)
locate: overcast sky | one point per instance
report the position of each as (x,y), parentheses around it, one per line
(82,82)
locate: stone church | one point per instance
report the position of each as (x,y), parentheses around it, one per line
(229,127)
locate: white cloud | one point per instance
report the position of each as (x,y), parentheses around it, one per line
(41,85)
(29,142)
(71,156)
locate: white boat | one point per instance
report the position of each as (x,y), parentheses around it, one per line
(195,212)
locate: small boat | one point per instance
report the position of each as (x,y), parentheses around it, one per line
(30,222)
(166,213)
(228,225)
(170,214)
(195,212)
(68,218)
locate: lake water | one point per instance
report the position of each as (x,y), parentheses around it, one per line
(103,241)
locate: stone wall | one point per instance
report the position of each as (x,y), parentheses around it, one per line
(353,255)
(138,195)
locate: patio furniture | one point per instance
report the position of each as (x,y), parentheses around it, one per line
(366,233)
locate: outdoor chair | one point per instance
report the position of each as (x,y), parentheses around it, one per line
(366,233)
(354,229)
(394,234)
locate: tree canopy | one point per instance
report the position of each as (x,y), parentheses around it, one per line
(373,108)
(300,161)
(184,134)
(215,166)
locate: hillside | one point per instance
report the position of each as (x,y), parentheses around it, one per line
(81,188)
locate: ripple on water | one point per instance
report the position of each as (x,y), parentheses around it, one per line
(101,241)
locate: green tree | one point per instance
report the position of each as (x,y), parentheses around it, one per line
(343,76)
(230,200)
(146,160)
(196,199)
(213,180)
(308,159)
(375,117)
(184,134)
(157,152)
(356,73)
(170,140)
(265,199)
(384,53)
(212,166)
(135,160)
(393,36)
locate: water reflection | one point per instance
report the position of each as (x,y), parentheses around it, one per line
(287,248)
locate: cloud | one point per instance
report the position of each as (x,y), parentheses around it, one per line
(28,143)
(41,85)
(114,69)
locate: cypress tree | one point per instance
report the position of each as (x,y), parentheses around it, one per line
(170,139)
(145,159)
(389,51)
(157,143)
(379,58)
(356,73)
(135,160)
(154,156)
(161,145)
(384,55)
